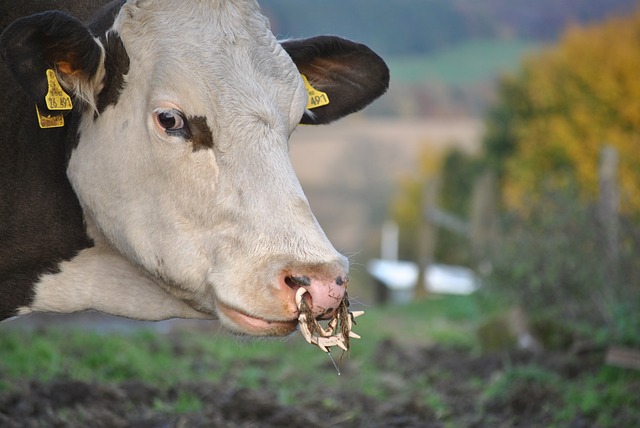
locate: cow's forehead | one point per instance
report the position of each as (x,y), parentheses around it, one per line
(224,19)
(218,55)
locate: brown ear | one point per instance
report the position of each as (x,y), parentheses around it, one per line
(54,40)
(351,75)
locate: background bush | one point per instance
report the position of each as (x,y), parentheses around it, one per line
(553,263)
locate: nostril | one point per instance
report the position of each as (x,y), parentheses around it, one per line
(289,282)
(297,281)
(342,281)
(324,291)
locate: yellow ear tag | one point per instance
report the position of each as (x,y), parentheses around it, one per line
(316,98)
(56,98)
(50,121)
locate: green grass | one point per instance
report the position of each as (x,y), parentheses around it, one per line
(609,397)
(87,356)
(447,320)
(289,367)
(184,403)
(468,63)
(606,396)
(150,357)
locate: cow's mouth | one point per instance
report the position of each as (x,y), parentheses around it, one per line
(241,322)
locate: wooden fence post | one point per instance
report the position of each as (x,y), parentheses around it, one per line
(427,235)
(608,216)
(483,224)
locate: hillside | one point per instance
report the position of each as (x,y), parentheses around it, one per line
(445,55)
(418,27)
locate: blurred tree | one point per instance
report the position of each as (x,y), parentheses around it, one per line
(456,173)
(554,117)
(459,173)
(408,205)
(553,263)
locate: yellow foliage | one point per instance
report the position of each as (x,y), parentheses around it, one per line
(572,100)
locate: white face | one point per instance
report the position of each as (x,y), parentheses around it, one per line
(188,174)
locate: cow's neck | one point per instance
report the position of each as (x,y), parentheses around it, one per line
(40,218)
(99,278)
(41,222)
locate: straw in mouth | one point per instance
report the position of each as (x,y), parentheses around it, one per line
(338,331)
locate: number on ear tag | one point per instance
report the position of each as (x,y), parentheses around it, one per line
(56,98)
(316,98)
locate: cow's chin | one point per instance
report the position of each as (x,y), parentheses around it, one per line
(242,323)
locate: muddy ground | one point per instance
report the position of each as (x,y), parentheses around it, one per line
(457,377)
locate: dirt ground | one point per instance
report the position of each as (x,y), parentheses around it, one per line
(456,377)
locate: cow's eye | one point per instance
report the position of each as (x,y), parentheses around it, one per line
(169,120)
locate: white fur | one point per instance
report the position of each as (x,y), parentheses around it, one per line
(101,279)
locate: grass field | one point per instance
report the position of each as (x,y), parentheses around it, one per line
(417,365)
(151,357)
(468,63)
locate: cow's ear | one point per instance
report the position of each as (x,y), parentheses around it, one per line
(350,74)
(51,40)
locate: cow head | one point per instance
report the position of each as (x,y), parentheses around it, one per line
(180,159)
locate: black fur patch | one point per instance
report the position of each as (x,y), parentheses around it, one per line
(14,295)
(103,20)
(116,60)
(116,66)
(41,223)
(200,133)
(14,9)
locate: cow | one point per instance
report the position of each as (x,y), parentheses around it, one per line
(144,166)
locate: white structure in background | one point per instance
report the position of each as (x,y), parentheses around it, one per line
(401,277)
(446,279)
(389,241)
(398,278)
